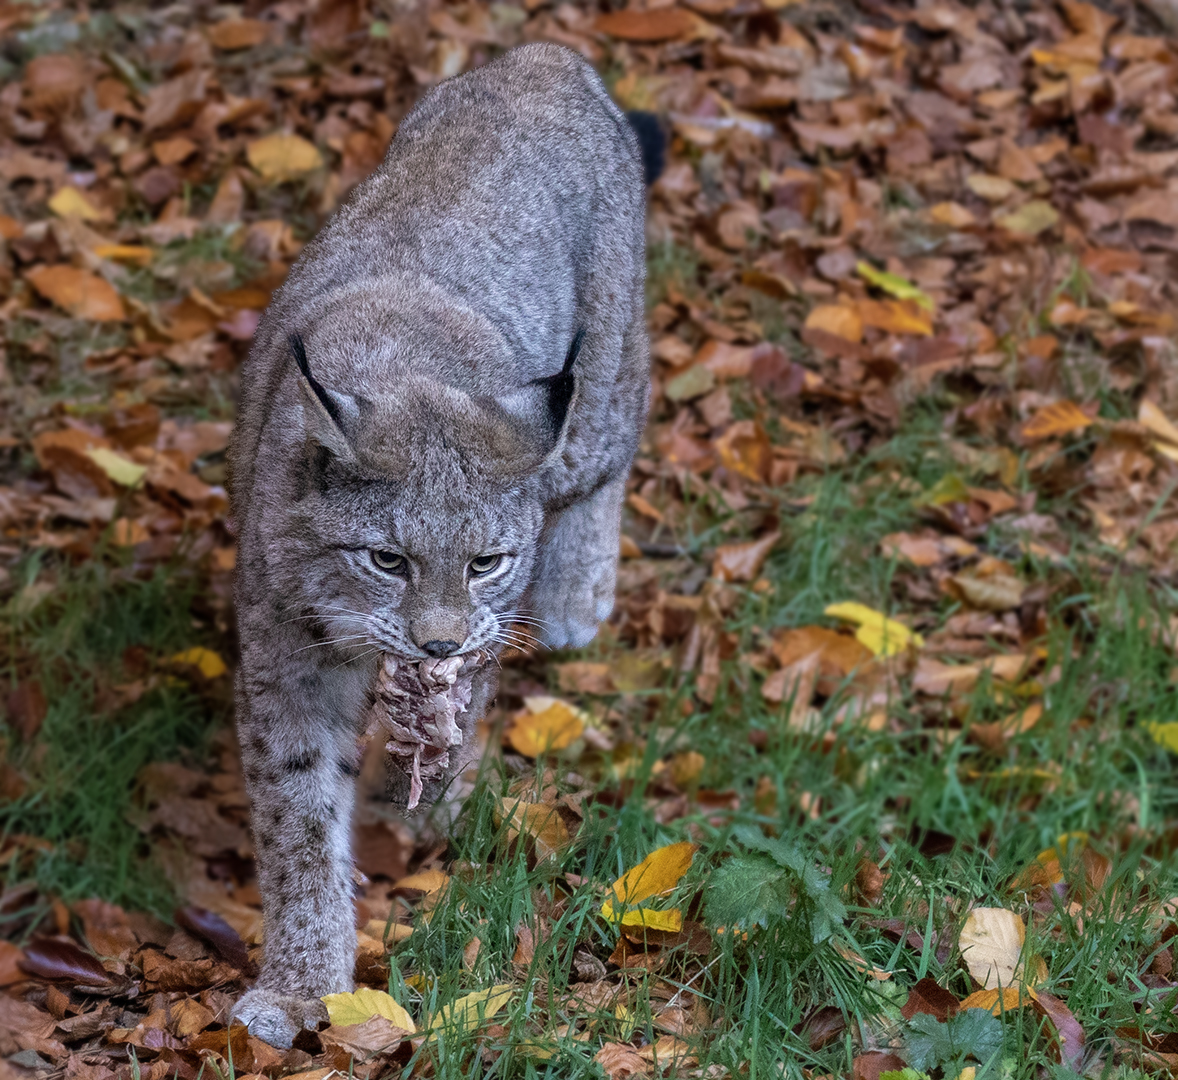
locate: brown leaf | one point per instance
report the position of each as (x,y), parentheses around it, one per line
(840,320)
(823,1026)
(1069,1032)
(27,708)
(217,932)
(838,654)
(232,34)
(662,24)
(928,996)
(78,292)
(869,1066)
(59,958)
(620,1060)
(743,562)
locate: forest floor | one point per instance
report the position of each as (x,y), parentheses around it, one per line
(887,710)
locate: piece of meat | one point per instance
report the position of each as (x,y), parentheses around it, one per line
(417,703)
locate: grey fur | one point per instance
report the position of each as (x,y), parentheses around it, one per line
(437,310)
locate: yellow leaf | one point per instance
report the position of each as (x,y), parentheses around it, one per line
(837,319)
(991,943)
(995,1001)
(534,734)
(900,288)
(428,881)
(1153,418)
(121,470)
(281,157)
(1164,735)
(364,1004)
(670,920)
(468,1012)
(69,202)
(883,636)
(538,820)
(1030,219)
(658,873)
(130,253)
(207,662)
(1058,418)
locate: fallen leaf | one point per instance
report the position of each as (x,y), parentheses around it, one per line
(1151,417)
(991,944)
(207,662)
(996,1001)
(122,470)
(363,1004)
(69,202)
(895,317)
(427,881)
(553,729)
(1059,418)
(280,157)
(743,562)
(468,1012)
(60,959)
(744,449)
(661,24)
(78,292)
(669,920)
(1030,219)
(233,34)
(928,996)
(900,288)
(658,873)
(883,636)
(1069,1032)
(539,821)
(376,1035)
(841,320)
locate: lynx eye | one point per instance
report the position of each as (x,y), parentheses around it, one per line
(391,562)
(484,564)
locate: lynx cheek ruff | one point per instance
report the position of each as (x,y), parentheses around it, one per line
(417,704)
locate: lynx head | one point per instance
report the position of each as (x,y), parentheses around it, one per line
(421,510)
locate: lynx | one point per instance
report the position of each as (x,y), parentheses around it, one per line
(437,417)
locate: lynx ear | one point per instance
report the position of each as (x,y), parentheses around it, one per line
(546,405)
(331,417)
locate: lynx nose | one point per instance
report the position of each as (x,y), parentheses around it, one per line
(438,649)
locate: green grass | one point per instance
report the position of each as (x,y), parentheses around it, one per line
(878,792)
(99,626)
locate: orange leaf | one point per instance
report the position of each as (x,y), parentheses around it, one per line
(745,450)
(895,317)
(1059,418)
(837,319)
(662,24)
(995,1001)
(82,294)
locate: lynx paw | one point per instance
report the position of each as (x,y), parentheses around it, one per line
(276,1019)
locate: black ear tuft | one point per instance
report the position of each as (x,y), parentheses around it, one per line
(299,352)
(652,141)
(561,387)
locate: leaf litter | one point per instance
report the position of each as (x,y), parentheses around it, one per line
(865,208)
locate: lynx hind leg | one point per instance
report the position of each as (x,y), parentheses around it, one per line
(576,568)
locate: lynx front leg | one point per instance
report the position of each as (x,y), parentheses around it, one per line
(576,568)
(300,772)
